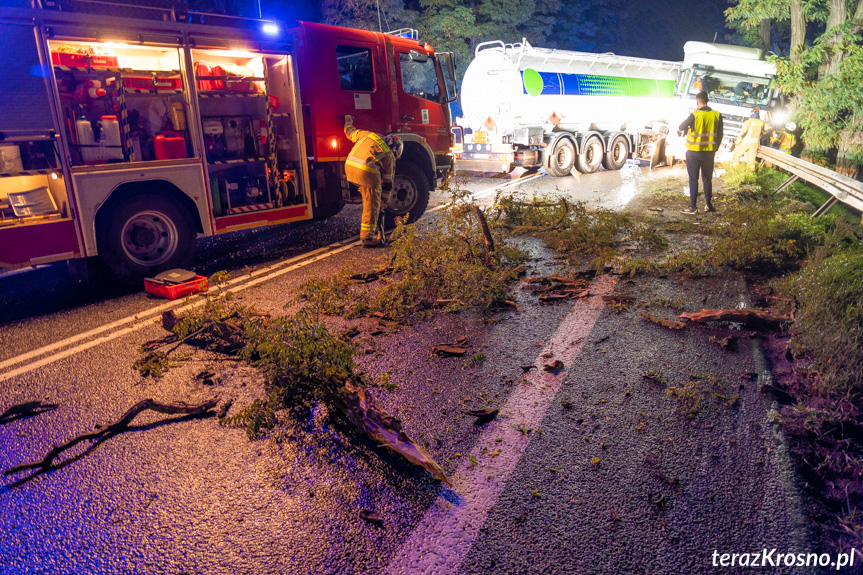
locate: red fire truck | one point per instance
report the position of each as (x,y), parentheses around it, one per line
(128,134)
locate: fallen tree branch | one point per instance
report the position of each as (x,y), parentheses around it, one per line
(358,405)
(108,431)
(486,232)
(26,409)
(562,217)
(750,317)
(670,324)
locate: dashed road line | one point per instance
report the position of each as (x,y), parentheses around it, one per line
(440,542)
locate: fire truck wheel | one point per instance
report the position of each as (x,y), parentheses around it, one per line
(562,158)
(145,235)
(591,155)
(617,153)
(410,194)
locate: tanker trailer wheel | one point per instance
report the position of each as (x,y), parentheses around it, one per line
(145,235)
(410,194)
(591,155)
(562,158)
(617,153)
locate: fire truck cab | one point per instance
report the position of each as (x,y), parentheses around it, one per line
(126,133)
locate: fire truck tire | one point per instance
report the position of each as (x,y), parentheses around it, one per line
(145,235)
(617,153)
(328,210)
(591,156)
(562,158)
(410,194)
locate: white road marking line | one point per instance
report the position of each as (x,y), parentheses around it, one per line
(236,284)
(440,542)
(116,334)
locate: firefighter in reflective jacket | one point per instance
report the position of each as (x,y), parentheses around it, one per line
(371,165)
(747,143)
(786,138)
(703,130)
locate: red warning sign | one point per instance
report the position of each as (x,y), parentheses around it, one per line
(489,124)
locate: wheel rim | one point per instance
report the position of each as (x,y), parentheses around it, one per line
(149,238)
(563,157)
(403,197)
(617,153)
(593,154)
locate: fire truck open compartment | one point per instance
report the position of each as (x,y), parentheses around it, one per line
(122,103)
(245,102)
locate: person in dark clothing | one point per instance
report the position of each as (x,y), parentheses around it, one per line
(703,130)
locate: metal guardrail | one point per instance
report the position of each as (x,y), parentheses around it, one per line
(841,188)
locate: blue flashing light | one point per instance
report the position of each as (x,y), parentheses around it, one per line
(271,29)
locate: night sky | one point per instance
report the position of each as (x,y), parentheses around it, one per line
(647,28)
(659,28)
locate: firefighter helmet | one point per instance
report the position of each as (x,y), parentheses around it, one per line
(395,144)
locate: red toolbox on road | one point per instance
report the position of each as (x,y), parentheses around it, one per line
(177,283)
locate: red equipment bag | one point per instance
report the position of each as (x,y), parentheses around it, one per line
(209,69)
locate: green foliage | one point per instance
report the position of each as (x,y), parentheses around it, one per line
(574,230)
(694,393)
(829,320)
(332,296)
(446,260)
(834,105)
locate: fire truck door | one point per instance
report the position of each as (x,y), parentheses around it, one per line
(421,98)
(360,87)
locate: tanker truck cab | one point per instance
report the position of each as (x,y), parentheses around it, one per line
(737,80)
(391,84)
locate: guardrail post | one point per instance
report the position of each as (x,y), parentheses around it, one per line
(786,183)
(827,205)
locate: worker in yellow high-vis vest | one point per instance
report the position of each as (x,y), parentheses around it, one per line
(703,130)
(371,166)
(747,143)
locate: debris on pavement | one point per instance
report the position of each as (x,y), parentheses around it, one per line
(727,343)
(108,431)
(24,410)
(553,367)
(483,415)
(371,517)
(670,324)
(359,406)
(447,350)
(750,317)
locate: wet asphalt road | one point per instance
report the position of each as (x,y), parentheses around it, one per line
(188,496)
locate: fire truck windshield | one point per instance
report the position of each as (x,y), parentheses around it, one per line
(419,77)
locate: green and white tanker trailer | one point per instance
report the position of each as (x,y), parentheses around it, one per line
(559,109)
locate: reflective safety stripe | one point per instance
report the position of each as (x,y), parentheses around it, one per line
(379,141)
(702,135)
(359,164)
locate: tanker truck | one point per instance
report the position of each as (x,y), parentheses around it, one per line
(558,109)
